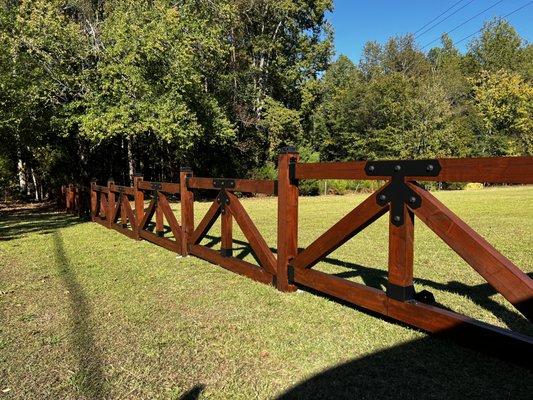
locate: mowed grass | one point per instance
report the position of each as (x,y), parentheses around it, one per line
(86,312)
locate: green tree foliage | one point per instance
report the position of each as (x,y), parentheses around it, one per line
(112,87)
(401,103)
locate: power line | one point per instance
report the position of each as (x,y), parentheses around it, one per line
(444,19)
(463,23)
(438,16)
(505,16)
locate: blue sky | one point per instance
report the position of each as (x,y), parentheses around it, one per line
(358,21)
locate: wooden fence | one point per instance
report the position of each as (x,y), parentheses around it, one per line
(401,196)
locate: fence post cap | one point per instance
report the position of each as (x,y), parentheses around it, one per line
(288,150)
(110,180)
(185,168)
(138,175)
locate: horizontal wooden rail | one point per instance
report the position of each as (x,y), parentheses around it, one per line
(240,185)
(166,187)
(512,170)
(122,189)
(290,267)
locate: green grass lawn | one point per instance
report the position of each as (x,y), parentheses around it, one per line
(88,313)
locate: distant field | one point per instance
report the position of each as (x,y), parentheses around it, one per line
(88,313)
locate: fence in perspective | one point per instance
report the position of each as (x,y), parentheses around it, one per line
(401,196)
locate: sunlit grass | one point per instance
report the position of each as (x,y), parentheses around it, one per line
(88,313)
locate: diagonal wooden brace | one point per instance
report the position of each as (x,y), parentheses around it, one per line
(351,224)
(497,270)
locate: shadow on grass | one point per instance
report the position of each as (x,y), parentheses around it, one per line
(193,393)
(89,378)
(377,278)
(427,368)
(17,222)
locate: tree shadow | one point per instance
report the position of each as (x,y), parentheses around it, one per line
(90,376)
(20,221)
(193,393)
(428,368)
(374,277)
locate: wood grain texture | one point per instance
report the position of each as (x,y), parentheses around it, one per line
(497,270)
(187,211)
(149,213)
(205,224)
(241,185)
(226,229)
(167,187)
(352,292)
(401,240)
(352,223)
(287,220)
(170,217)
(257,243)
(232,264)
(161,241)
(485,169)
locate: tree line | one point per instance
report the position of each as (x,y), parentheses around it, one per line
(109,88)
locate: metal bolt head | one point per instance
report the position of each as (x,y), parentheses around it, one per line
(382,197)
(397,218)
(412,199)
(430,168)
(397,168)
(371,168)
(218,200)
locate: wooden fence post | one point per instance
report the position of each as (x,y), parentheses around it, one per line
(94,200)
(139,203)
(63,198)
(78,200)
(159,227)
(401,238)
(110,203)
(287,216)
(187,209)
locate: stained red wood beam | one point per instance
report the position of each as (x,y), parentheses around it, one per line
(121,189)
(352,292)
(125,231)
(517,170)
(352,223)
(205,224)
(256,240)
(334,170)
(129,212)
(160,241)
(497,270)
(484,170)
(232,264)
(148,214)
(241,185)
(171,218)
(167,187)
(476,334)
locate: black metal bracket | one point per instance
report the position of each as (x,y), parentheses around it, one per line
(400,293)
(156,186)
(224,183)
(292,171)
(290,273)
(397,193)
(226,252)
(223,200)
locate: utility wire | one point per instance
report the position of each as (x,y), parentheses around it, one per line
(438,16)
(444,19)
(505,16)
(463,23)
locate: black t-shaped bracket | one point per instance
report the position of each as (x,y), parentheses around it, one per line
(397,192)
